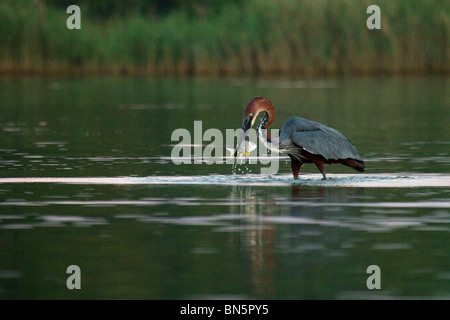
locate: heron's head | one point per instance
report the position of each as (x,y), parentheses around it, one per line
(254,107)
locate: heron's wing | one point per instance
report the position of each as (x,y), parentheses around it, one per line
(322,140)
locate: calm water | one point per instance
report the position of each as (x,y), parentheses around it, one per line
(138,226)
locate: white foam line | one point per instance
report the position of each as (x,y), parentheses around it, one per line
(420,204)
(335,180)
(77,180)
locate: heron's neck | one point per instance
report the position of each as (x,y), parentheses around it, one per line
(264,134)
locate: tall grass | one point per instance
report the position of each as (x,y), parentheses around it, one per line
(263,37)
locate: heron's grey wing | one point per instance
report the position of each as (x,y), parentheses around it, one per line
(320,139)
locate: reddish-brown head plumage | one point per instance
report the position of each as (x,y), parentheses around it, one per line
(258,104)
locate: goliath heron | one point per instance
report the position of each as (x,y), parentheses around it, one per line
(303,140)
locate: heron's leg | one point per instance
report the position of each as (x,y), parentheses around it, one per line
(320,165)
(295,166)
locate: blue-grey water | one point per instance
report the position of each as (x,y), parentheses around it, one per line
(86,179)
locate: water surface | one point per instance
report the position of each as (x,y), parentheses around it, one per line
(86,178)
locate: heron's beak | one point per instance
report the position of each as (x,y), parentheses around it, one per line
(246,125)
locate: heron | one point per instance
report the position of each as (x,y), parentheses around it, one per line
(304,141)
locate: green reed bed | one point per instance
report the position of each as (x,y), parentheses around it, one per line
(259,37)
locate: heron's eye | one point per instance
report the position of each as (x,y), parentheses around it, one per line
(250,115)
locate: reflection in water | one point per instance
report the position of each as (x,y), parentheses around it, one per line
(272,242)
(258,238)
(262,237)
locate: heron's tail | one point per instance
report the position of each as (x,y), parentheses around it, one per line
(355,164)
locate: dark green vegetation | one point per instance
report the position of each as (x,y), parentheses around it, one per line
(227,38)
